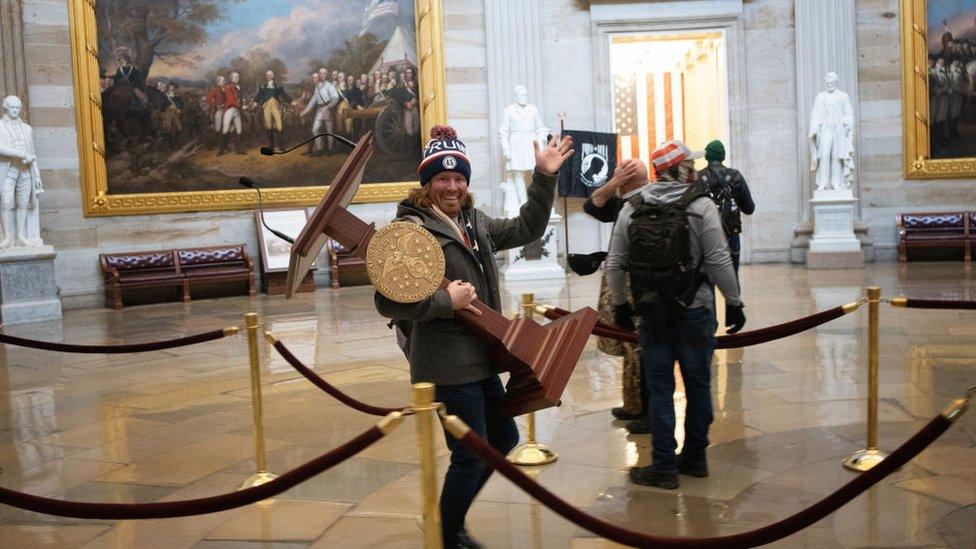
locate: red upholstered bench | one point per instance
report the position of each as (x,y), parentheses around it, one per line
(175,268)
(942,230)
(139,270)
(216,264)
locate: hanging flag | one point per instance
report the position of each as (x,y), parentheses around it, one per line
(594,158)
(377,9)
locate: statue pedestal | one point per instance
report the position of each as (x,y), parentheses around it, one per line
(834,245)
(539,260)
(28,292)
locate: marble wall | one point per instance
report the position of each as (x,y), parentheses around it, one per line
(884,190)
(765,106)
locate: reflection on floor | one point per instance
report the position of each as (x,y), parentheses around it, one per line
(177,424)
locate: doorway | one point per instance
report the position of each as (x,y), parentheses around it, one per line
(668,85)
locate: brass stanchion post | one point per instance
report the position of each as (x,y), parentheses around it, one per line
(530,452)
(425,412)
(863,460)
(252,324)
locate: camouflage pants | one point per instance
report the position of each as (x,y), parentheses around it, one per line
(631,353)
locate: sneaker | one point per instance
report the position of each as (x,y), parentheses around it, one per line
(465,541)
(620,413)
(638,427)
(692,468)
(647,476)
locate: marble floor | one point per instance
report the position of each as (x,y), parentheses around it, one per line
(177,424)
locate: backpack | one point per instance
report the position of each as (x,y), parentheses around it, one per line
(663,278)
(719,189)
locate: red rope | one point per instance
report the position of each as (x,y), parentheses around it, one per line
(767,534)
(112,349)
(185,508)
(959,304)
(317,380)
(731,341)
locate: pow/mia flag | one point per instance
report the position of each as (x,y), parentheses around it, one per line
(592,163)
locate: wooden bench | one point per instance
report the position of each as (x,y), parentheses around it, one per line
(345,266)
(937,230)
(150,269)
(216,264)
(179,268)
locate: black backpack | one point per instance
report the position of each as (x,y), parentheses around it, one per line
(663,278)
(719,185)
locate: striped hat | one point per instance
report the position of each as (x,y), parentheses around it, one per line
(444,152)
(671,153)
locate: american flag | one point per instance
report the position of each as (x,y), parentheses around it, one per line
(647,111)
(377,9)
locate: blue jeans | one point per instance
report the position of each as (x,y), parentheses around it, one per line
(691,343)
(477,404)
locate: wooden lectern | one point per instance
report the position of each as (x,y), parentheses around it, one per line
(539,358)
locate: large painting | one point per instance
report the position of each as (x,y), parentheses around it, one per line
(179,99)
(939,78)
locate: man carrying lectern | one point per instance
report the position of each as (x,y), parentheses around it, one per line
(439,349)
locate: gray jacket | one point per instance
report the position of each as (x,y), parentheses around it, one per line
(439,349)
(709,247)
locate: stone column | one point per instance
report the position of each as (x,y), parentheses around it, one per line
(513,36)
(825,42)
(13,77)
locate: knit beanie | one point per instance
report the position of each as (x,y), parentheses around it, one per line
(715,151)
(444,152)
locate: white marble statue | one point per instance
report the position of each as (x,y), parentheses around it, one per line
(832,138)
(520,126)
(20,179)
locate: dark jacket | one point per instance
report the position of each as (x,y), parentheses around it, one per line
(440,350)
(265,93)
(606,213)
(718,181)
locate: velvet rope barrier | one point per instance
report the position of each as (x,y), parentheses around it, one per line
(912,303)
(760,536)
(213,504)
(731,341)
(317,380)
(118,349)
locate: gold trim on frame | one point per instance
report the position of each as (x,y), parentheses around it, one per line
(91,152)
(915,102)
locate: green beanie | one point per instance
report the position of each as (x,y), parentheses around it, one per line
(715,151)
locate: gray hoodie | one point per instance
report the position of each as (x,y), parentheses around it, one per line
(708,246)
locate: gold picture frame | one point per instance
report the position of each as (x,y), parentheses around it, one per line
(918,161)
(98,202)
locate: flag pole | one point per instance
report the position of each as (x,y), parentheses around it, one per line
(562,128)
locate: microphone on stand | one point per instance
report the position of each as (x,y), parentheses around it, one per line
(268,151)
(247,182)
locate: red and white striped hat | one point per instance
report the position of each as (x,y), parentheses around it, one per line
(671,153)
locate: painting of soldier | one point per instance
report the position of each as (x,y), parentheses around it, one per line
(193,89)
(952,78)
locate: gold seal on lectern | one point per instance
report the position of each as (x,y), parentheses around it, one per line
(404,262)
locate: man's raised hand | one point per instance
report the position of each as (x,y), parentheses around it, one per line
(550,158)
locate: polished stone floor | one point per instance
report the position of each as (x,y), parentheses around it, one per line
(178,424)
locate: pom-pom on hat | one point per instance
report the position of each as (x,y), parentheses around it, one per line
(444,152)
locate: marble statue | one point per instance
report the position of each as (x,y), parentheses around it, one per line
(832,138)
(520,126)
(20,179)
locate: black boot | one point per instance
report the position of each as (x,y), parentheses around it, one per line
(223,144)
(271,139)
(240,144)
(281,142)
